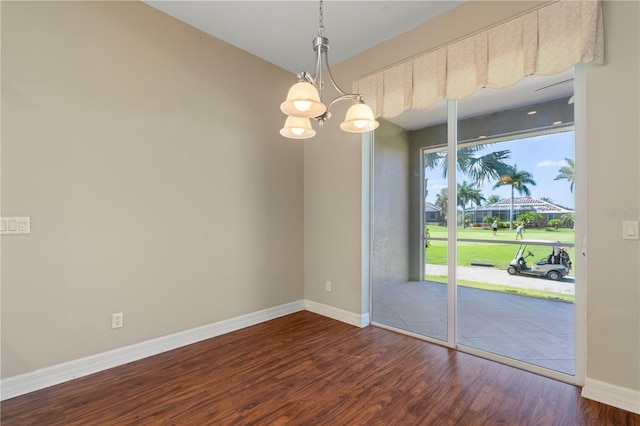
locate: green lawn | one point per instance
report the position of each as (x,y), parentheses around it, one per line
(538,294)
(498,255)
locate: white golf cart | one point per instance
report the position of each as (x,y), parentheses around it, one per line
(553,267)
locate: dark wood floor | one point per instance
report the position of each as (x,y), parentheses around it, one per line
(304,369)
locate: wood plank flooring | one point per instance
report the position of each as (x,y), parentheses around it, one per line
(305,369)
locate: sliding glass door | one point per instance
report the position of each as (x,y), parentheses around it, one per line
(515,238)
(487,263)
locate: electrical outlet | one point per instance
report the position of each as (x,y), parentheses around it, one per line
(117,320)
(327,285)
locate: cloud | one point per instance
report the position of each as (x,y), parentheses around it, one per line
(435,186)
(550,163)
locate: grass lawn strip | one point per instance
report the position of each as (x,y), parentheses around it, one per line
(499,255)
(538,294)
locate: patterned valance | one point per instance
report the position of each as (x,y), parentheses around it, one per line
(545,41)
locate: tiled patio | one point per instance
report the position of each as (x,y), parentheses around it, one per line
(536,331)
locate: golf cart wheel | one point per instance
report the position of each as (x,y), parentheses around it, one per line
(512,270)
(554,275)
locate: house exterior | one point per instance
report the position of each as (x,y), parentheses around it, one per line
(521,205)
(432,214)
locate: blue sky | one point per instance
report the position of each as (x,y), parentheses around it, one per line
(542,156)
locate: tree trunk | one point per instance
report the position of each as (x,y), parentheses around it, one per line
(511,211)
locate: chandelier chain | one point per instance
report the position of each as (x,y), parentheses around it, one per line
(321,23)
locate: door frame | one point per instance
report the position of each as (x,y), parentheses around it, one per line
(580,238)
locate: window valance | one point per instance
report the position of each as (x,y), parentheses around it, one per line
(545,41)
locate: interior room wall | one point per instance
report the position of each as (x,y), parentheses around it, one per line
(147,156)
(333,216)
(391,201)
(613,196)
(612,177)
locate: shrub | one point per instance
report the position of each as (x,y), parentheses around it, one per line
(427,237)
(531,219)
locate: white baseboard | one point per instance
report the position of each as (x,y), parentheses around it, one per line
(337,314)
(616,396)
(40,379)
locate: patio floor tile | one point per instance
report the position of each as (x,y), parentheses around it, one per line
(537,331)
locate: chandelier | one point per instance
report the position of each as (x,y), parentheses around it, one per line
(304,100)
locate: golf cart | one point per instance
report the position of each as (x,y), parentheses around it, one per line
(553,267)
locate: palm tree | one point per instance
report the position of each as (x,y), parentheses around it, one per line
(493,198)
(547,199)
(518,179)
(567,219)
(442,202)
(567,172)
(467,193)
(477,168)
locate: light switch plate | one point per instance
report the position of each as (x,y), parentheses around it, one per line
(630,230)
(15,225)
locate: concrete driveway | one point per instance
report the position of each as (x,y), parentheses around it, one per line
(492,275)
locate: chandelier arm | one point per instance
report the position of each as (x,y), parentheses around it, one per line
(317,75)
(333,82)
(345,97)
(305,76)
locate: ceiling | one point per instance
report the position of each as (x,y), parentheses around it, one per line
(281,32)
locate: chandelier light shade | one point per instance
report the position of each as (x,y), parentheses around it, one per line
(359,119)
(304,100)
(297,128)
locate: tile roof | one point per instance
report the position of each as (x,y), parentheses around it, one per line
(519,203)
(430,207)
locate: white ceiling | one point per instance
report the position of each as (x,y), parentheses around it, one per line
(281,32)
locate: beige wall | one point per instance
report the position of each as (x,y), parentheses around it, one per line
(332,215)
(613,173)
(148,157)
(391,200)
(613,179)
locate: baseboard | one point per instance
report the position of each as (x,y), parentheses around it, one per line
(40,379)
(337,314)
(616,396)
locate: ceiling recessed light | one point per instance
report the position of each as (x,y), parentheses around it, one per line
(482,137)
(555,123)
(532,112)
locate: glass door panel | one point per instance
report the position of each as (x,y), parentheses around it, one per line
(436,276)
(515,232)
(409,230)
